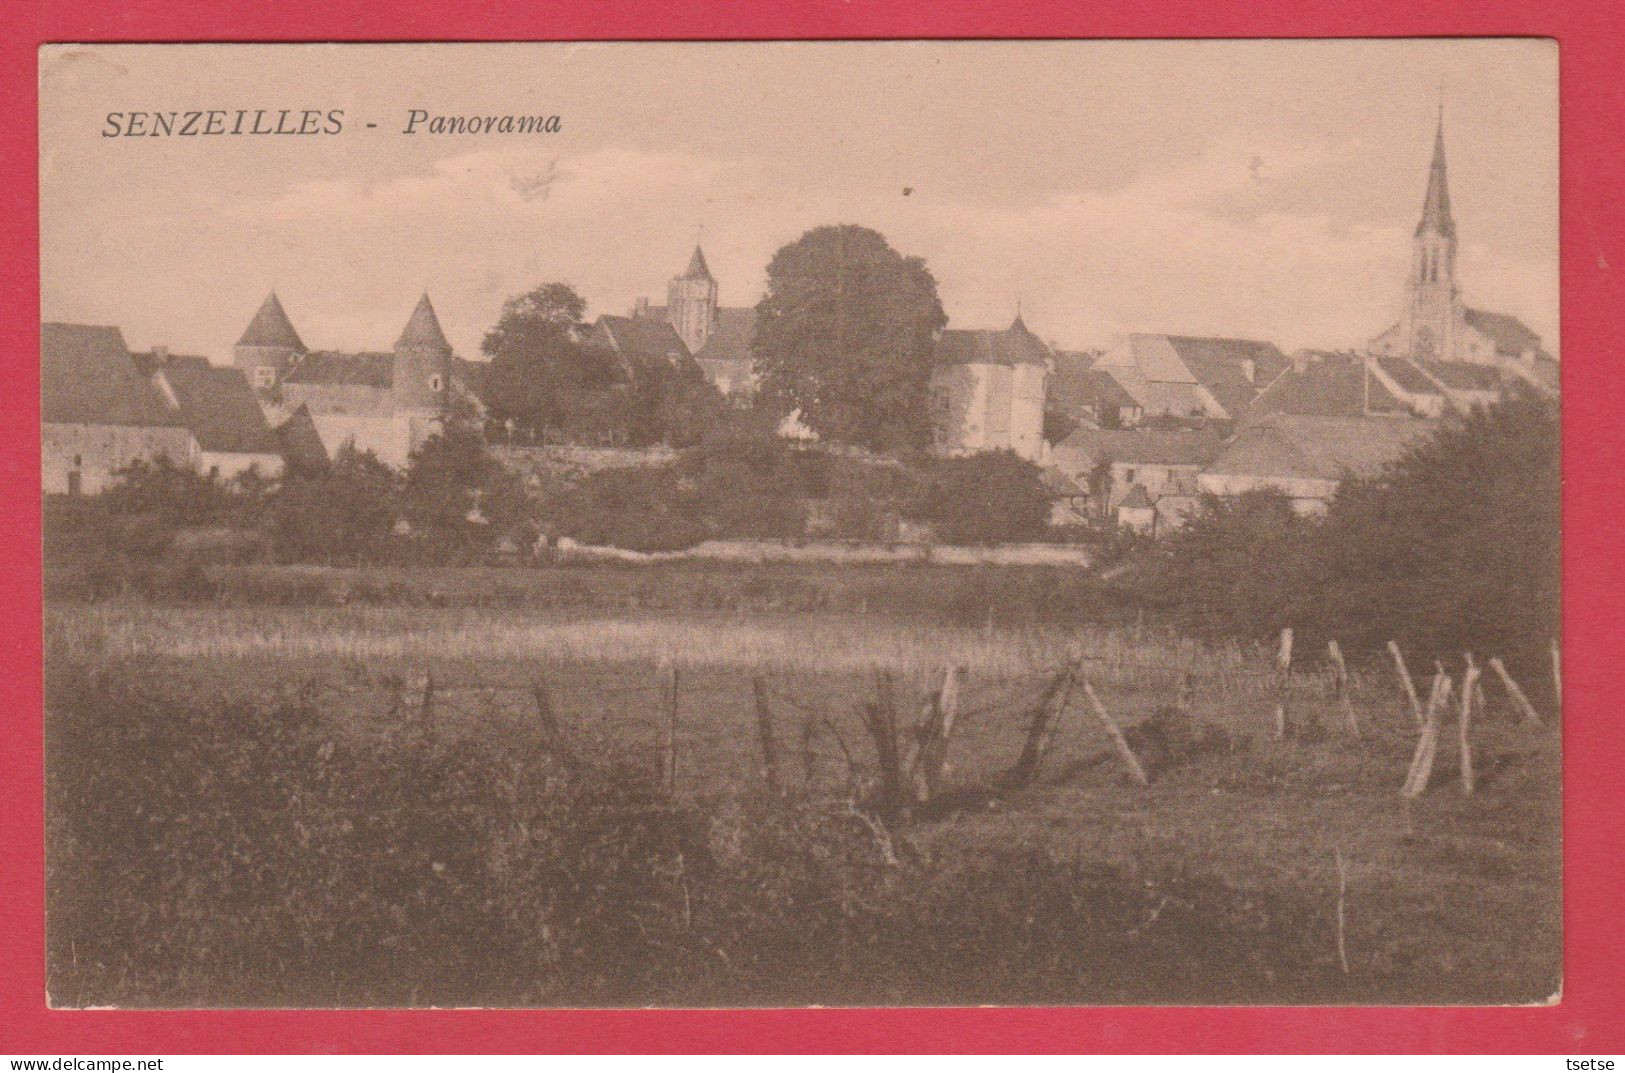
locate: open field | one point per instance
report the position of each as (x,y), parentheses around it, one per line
(1447,898)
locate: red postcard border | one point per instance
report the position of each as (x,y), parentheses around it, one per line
(1589,1019)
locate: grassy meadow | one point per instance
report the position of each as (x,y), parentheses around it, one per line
(1218,882)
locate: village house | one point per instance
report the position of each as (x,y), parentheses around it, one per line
(1321,383)
(102,408)
(1145,479)
(1082,393)
(1190,377)
(987,391)
(1307,458)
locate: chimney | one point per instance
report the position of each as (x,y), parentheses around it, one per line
(1300,361)
(640,308)
(160,355)
(1249,369)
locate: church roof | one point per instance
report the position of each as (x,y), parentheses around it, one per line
(1013,346)
(731,335)
(218,405)
(88,377)
(643,343)
(271,327)
(366,369)
(423,328)
(1436,205)
(1509,334)
(697,268)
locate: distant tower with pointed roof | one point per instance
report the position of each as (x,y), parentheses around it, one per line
(269,346)
(421,382)
(691,302)
(1435,313)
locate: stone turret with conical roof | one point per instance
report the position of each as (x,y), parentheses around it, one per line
(691,302)
(422,367)
(269,346)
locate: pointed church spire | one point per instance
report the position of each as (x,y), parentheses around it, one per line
(271,327)
(423,329)
(697,268)
(1436,206)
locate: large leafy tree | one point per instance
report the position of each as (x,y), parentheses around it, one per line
(460,501)
(845,334)
(541,362)
(343,513)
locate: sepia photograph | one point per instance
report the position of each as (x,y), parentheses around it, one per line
(801,524)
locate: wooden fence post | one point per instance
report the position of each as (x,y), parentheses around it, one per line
(1405,680)
(668,745)
(1119,743)
(545,716)
(1342,912)
(764,733)
(1283,671)
(1032,750)
(880,719)
(925,769)
(1427,746)
(1517,695)
(426,711)
(1557,674)
(1341,671)
(1464,727)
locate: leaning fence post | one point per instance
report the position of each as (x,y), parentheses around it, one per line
(1283,671)
(1119,743)
(1427,746)
(764,732)
(1517,694)
(668,744)
(1464,727)
(1340,669)
(881,720)
(1032,750)
(925,772)
(1405,680)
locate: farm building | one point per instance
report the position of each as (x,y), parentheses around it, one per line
(1162,466)
(1307,458)
(1182,376)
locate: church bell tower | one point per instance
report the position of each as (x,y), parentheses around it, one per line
(691,303)
(1436,314)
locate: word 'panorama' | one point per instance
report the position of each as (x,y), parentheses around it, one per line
(419,121)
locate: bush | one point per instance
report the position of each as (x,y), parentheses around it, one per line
(461,503)
(344,514)
(986,498)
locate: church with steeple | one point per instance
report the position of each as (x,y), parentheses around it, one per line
(388,401)
(1436,325)
(717,336)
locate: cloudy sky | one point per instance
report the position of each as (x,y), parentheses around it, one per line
(1256,189)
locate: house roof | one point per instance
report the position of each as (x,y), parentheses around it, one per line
(300,441)
(365,369)
(218,405)
(1318,448)
(423,328)
(1408,376)
(1061,486)
(1462,375)
(1014,345)
(88,377)
(1509,334)
(731,335)
(271,327)
(1092,445)
(1322,384)
(643,343)
(1137,499)
(1221,365)
(1075,384)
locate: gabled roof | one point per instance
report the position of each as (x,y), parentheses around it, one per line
(1140,447)
(1060,486)
(643,343)
(365,369)
(1012,346)
(1318,448)
(1436,204)
(1322,384)
(88,377)
(1408,376)
(1509,334)
(300,441)
(1137,499)
(731,335)
(271,327)
(1221,365)
(218,405)
(697,268)
(423,328)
